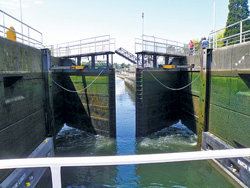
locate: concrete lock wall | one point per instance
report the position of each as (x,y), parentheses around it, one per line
(22,125)
(229,114)
(91,110)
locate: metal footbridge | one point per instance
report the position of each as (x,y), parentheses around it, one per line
(150,45)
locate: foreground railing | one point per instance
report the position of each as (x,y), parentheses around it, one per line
(24,33)
(99,44)
(56,163)
(159,45)
(217,38)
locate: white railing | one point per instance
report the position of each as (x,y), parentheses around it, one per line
(56,163)
(240,37)
(159,45)
(28,35)
(100,44)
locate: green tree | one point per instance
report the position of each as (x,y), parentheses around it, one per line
(197,44)
(238,10)
(219,36)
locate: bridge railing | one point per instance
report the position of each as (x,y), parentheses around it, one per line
(56,163)
(99,44)
(159,45)
(217,38)
(24,33)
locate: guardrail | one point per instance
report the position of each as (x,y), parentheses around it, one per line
(240,37)
(31,37)
(159,45)
(56,163)
(99,44)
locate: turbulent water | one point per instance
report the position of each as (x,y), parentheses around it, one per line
(177,138)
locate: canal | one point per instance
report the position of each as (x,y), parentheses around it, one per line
(177,138)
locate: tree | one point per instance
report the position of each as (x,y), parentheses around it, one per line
(238,10)
(219,36)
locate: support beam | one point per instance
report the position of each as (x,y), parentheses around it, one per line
(107,60)
(79,60)
(112,62)
(155,61)
(142,61)
(166,60)
(93,62)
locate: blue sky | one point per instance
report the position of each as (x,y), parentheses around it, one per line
(62,21)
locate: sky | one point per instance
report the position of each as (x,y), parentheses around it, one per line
(69,20)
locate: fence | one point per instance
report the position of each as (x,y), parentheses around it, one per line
(24,33)
(99,44)
(159,45)
(240,36)
(56,163)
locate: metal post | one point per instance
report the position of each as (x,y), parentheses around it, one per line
(79,60)
(142,24)
(142,61)
(214,27)
(41,38)
(155,61)
(166,60)
(3,26)
(93,62)
(107,60)
(21,18)
(216,40)
(241,32)
(138,60)
(29,35)
(112,60)
(56,176)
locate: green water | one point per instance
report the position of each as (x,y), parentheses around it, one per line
(177,138)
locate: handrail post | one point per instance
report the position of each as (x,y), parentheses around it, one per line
(29,35)
(241,32)
(56,176)
(3,26)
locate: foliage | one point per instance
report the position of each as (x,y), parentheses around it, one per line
(238,10)
(220,35)
(197,44)
(123,65)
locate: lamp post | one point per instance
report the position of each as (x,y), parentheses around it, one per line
(142,24)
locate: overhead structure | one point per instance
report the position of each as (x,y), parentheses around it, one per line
(127,55)
(154,46)
(90,47)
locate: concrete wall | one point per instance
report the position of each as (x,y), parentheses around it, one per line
(229,115)
(22,125)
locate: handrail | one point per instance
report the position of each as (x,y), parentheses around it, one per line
(160,45)
(238,37)
(30,40)
(90,45)
(56,163)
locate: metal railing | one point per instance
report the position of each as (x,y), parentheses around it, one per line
(31,37)
(240,37)
(56,163)
(159,45)
(99,44)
